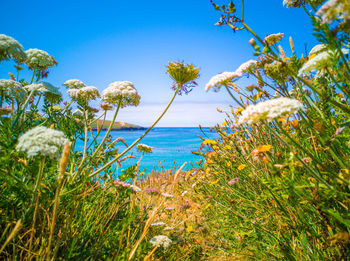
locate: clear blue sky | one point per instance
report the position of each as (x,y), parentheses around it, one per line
(104,41)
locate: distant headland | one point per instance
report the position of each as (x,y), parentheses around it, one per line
(118,125)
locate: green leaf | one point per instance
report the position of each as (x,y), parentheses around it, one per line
(339,217)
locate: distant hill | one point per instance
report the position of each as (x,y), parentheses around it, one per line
(119,125)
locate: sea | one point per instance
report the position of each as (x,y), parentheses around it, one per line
(172,146)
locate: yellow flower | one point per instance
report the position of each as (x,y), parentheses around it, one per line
(332,121)
(224,123)
(228,147)
(264,148)
(214,182)
(229,164)
(209,161)
(242,166)
(238,111)
(216,147)
(212,142)
(189,229)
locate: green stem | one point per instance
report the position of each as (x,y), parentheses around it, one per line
(136,141)
(233,97)
(33,76)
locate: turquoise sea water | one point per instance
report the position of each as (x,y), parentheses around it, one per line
(172,146)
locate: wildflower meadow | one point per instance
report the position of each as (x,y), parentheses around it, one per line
(274,185)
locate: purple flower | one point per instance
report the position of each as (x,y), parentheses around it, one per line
(233,181)
(121,184)
(152,191)
(185,206)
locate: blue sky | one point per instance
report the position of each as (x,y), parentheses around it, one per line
(100,42)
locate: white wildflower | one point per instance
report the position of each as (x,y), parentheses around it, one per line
(269,110)
(320,61)
(317,49)
(144,148)
(135,188)
(167,195)
(88,93)
(221,79)
(168,228)
(273,38)
(42,87)
(41,141)
(184,193)
(12,88)
(334,9)
(155,224)
(74,84)
(39,59)
(73,93)
(246,66)
(123,92)
(161,240)
(169,208)
(11,49)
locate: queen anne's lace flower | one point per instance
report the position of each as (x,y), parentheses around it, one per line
(320,61)
(317,48)
(269,110)
(88,93)
(42,87)
(39,59)
(123,92)
(12,88)
(144,148)
(161,240)
(334,9)
(74,84)
(41,141)
(273,38)
(222,79)
(11,49)
(291,3)
(246,66)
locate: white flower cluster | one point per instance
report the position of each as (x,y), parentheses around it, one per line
(123,92)
(11,49)
(317,48)
(273,38)
(86,93)
(41,141)
(221,79)
(39,59)
(318,62)
(246,66)
(334,9)
(42,87)
(269,110)
(144,148)
(161,240)
(74,84)
(12,88)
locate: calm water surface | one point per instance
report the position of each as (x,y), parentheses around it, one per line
(172,146)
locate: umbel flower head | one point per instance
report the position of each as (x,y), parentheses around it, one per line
(221,79)
(246,66)
(144,148)
(334,9)
(11,49)
(123,92)
(11,88)
(269,110)
(184,76)
(39,59)
(161,241)
(86,93)
(41,141)
(273,38)
(74,84)
(42,87)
